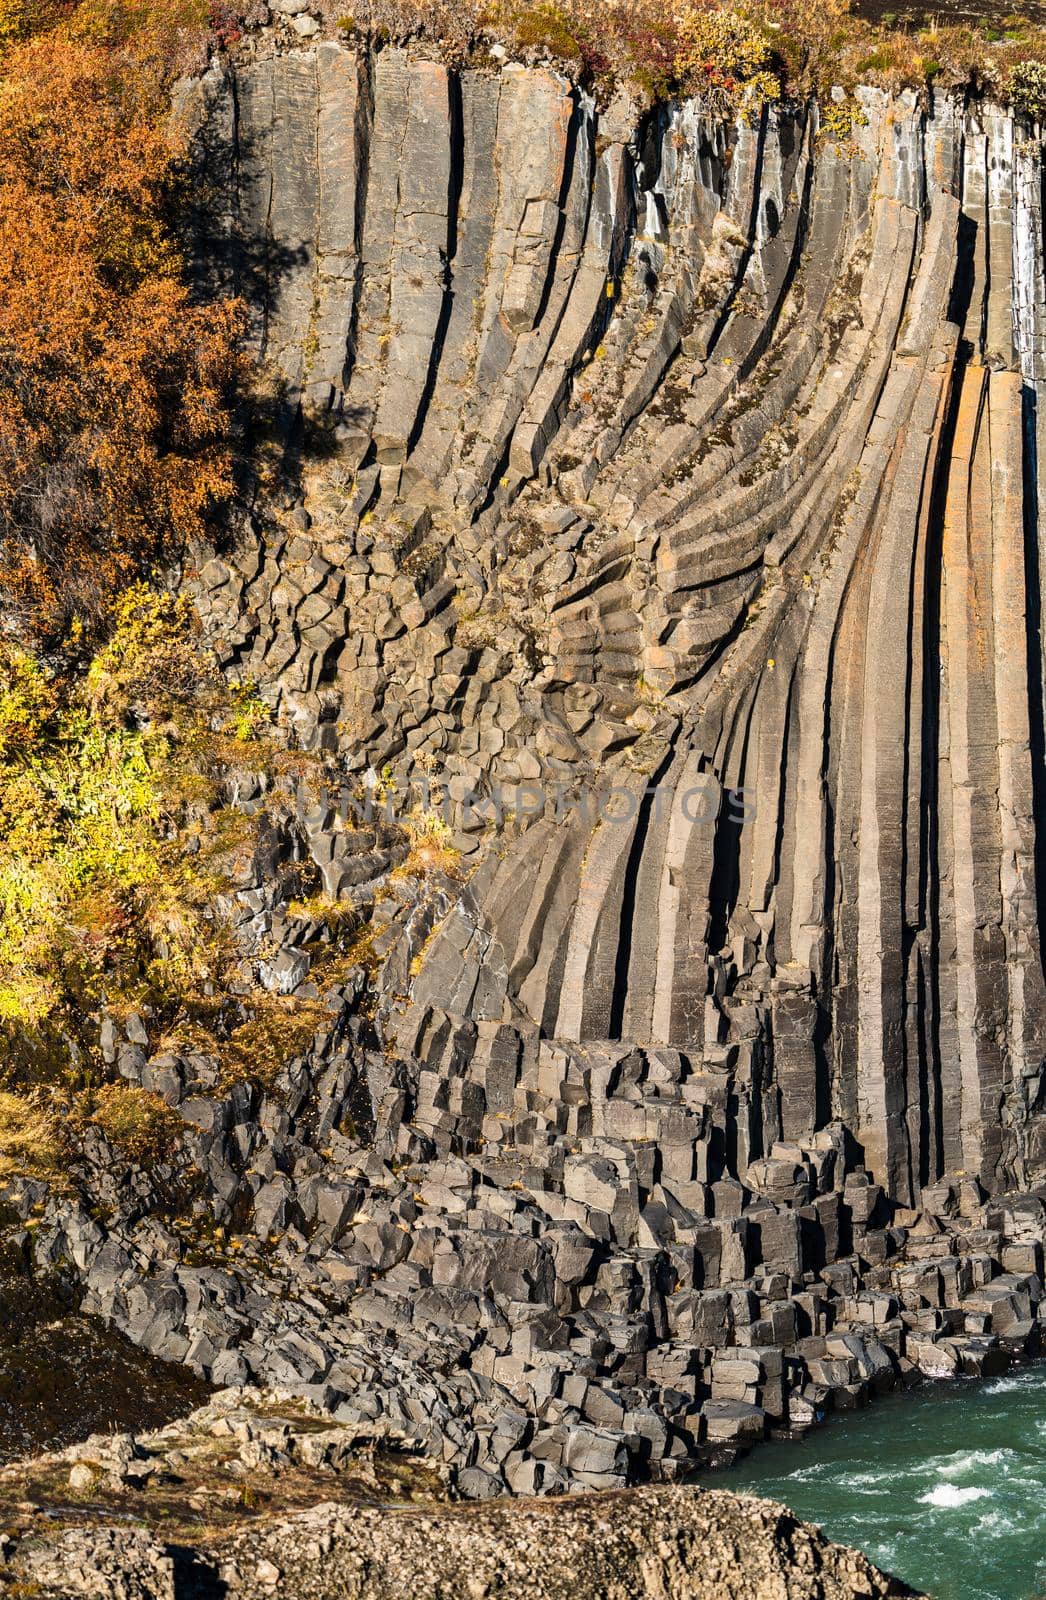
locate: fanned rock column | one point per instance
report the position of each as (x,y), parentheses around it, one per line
(700,462)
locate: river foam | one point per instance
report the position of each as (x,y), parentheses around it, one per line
(952,1494)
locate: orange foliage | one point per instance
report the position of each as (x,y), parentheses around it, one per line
(115,388)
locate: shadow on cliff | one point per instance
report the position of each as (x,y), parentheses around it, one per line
(277,436)
(1034,637)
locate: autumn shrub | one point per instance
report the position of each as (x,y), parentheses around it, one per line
(150,662)
(725,55)
(140,1124)
(155,40)
(545,26)
(27,701)
(225,22)
(31,1137)
(112,836)
(41,1130)
(116,389)
(840,119)
(812,40)
(20,19)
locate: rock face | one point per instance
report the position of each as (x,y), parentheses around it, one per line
(699,463)
(688,462)
(675,1544)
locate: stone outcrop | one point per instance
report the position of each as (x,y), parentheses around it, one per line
(663,495)
(676,1544)
(352,1535)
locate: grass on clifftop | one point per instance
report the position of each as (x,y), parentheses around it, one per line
(736,56)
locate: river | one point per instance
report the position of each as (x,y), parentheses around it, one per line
(944,1485)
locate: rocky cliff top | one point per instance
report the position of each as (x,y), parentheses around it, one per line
(735,57)
(267,1500)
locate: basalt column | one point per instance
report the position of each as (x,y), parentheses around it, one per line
(701,462)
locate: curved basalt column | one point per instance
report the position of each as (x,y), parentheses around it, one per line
(701,462)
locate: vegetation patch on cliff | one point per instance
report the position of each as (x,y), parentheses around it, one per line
(119,859)
(110,833)
(737,56)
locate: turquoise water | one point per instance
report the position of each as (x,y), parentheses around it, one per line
(944,1485)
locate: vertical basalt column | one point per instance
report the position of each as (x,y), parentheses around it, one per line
(892,662)
(419,255)
(1016,791)
(292,212)
(390,89)
(999,311)
(341,187)
(968,656)
(254,100)
(922,1040)
(1029,291)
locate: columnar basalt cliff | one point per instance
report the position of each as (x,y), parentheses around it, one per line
(664,453)
(697,463)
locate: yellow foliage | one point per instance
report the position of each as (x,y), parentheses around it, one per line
(150,660)
(1026,86)
(724,54)
(137,1122)
(20,18)
(431,846)
(839,118)
(103,783)
(30,1138)
(250,714)
(26,699)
